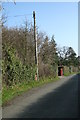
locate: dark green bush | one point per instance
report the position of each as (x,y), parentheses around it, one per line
(13,70)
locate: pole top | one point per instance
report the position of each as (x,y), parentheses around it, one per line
(33,14)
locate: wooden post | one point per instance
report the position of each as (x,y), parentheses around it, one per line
(35,39)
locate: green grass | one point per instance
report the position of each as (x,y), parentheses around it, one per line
(67,73)
(11,92)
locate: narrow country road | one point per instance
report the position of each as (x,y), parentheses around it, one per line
(55,100)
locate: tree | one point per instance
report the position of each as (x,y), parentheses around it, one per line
(52,52)
(44,50)
(67,56)
(60,56)
(70,56)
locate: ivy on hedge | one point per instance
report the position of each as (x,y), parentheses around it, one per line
(12,68)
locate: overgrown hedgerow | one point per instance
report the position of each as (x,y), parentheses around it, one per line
(13,69)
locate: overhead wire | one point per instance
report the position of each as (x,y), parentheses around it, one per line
(20,15)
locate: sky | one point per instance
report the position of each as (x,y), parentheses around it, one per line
(54,18)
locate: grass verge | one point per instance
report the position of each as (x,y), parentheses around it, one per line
(68,74)
(9,93)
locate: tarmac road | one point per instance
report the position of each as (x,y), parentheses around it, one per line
(55,100)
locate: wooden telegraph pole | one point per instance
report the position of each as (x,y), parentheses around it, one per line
(35,39)
(35,36)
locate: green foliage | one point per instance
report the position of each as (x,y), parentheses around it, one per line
(18,58)
(13,69)
(67,57)
(48,58)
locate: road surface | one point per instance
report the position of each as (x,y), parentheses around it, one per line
(55,100)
